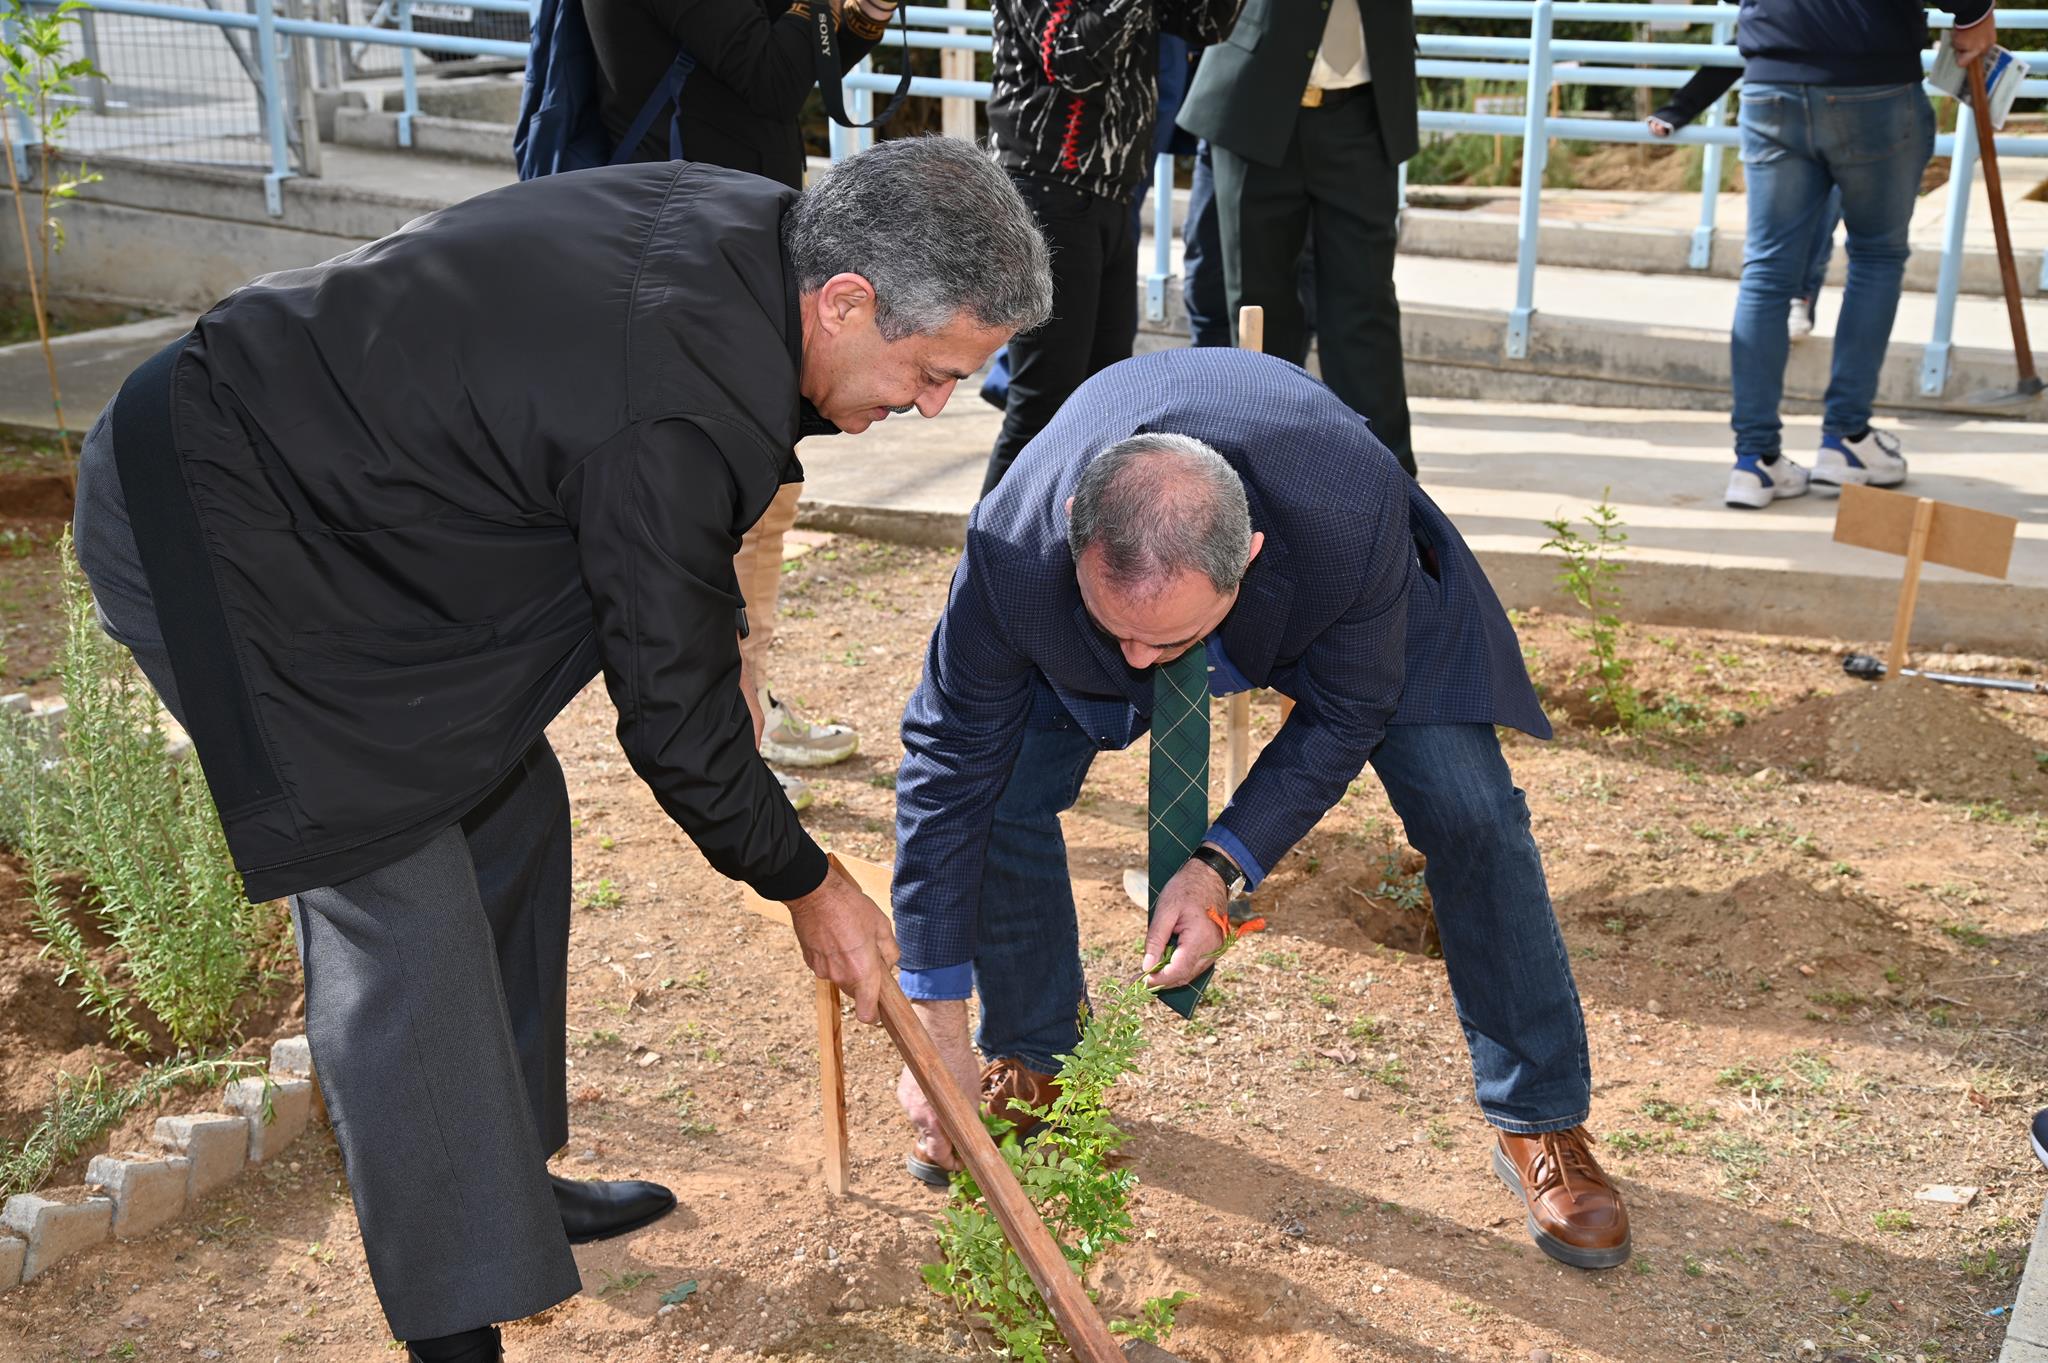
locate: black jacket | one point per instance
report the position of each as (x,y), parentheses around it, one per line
(1839,42)
(430,487)
(742,106)
(1076,86)
(1247,91)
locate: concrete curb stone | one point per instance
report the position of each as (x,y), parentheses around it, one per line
(2026,1337)
(147,1191)
(291,1105)
(216,1143)
(13,1252)
(56,1226)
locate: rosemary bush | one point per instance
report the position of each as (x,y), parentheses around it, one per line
(1066,1174)
(182,947)
(84,1109)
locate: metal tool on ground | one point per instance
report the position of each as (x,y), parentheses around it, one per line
(2029,386)
(1925,531)
(1251,335)
(1868,667)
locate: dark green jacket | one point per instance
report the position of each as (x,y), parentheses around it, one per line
(1247,91)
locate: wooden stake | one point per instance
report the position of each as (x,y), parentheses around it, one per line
(832,1087)
(1909,590)
(1987,143)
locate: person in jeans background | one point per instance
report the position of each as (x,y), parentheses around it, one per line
(1831,101)
(1708,84)
(741,108)
(1071,118)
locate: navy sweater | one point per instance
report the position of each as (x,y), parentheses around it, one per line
(1839,42)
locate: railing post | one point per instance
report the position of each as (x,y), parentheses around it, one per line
(408,65)
(1162,238)
(1710,169)
(860,105)
(273,107)
(956,116)
(1535,152)
(1962,168)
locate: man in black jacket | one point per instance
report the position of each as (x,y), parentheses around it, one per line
(1076,93)
(1831,105)
(1310,110)
(741,106)
(372,524)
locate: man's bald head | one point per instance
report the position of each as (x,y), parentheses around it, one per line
(1155,506)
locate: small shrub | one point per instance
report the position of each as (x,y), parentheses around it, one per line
(1590,577)
(1066,1172)
(1892,1221)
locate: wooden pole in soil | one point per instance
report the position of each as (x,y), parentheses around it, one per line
(2023,350)
(832,1087)
(1251,335)
(1909,590)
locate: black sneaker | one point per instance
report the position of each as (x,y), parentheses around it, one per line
(2038,1137)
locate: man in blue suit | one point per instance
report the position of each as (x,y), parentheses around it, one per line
(1225,500)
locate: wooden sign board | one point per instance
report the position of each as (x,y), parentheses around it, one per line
(1957,536)
(1925,531)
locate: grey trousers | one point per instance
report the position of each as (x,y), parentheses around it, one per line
(436,991)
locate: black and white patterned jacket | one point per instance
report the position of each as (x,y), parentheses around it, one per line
(1077,85)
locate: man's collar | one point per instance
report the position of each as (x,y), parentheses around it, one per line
(810,422)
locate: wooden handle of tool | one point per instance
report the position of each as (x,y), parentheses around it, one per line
(1251,327)
(1076,1316)
(1980,108)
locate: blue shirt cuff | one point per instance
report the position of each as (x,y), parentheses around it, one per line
(1235,850)
(944,982)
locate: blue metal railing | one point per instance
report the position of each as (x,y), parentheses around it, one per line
(1540,63)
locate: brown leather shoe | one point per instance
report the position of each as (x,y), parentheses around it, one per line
(1575,1211)
(1008,1088)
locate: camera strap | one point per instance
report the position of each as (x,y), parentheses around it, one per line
(825,49)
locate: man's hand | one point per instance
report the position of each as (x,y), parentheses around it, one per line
(946,1022)
(1183,911)
(1659,128)
(1973,42)
(845,939)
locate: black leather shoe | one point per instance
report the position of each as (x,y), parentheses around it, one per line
(596,1210)
(480,1345)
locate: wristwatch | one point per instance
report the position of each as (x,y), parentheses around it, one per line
(1226,870)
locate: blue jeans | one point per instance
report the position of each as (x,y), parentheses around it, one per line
(1823,248)
(1510,977)
(1870,143)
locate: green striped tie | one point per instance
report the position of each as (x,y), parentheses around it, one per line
(1179,786)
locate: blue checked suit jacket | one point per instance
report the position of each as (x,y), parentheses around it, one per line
(1338,611)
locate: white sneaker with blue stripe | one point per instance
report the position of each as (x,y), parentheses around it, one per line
(1753,483)
(1872,458)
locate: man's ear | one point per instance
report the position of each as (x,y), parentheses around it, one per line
(843,301)
(1258,543)
(1069,508)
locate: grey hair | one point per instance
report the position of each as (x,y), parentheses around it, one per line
(935,226)
(1157,505)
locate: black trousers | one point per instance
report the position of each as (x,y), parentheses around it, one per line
(1337,187)
(1094,311)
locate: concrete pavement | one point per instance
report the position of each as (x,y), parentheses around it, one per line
(1501,469)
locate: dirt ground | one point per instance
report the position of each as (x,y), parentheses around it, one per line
(1808,964)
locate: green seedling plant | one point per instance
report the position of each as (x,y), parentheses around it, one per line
(1067,1172)
(1591,577)
(38,76)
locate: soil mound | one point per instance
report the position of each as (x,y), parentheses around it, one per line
(1906,735)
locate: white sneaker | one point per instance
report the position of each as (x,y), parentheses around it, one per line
(790,740)
(793,787)
(1871,458)
(1799,323)
(1753,483)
